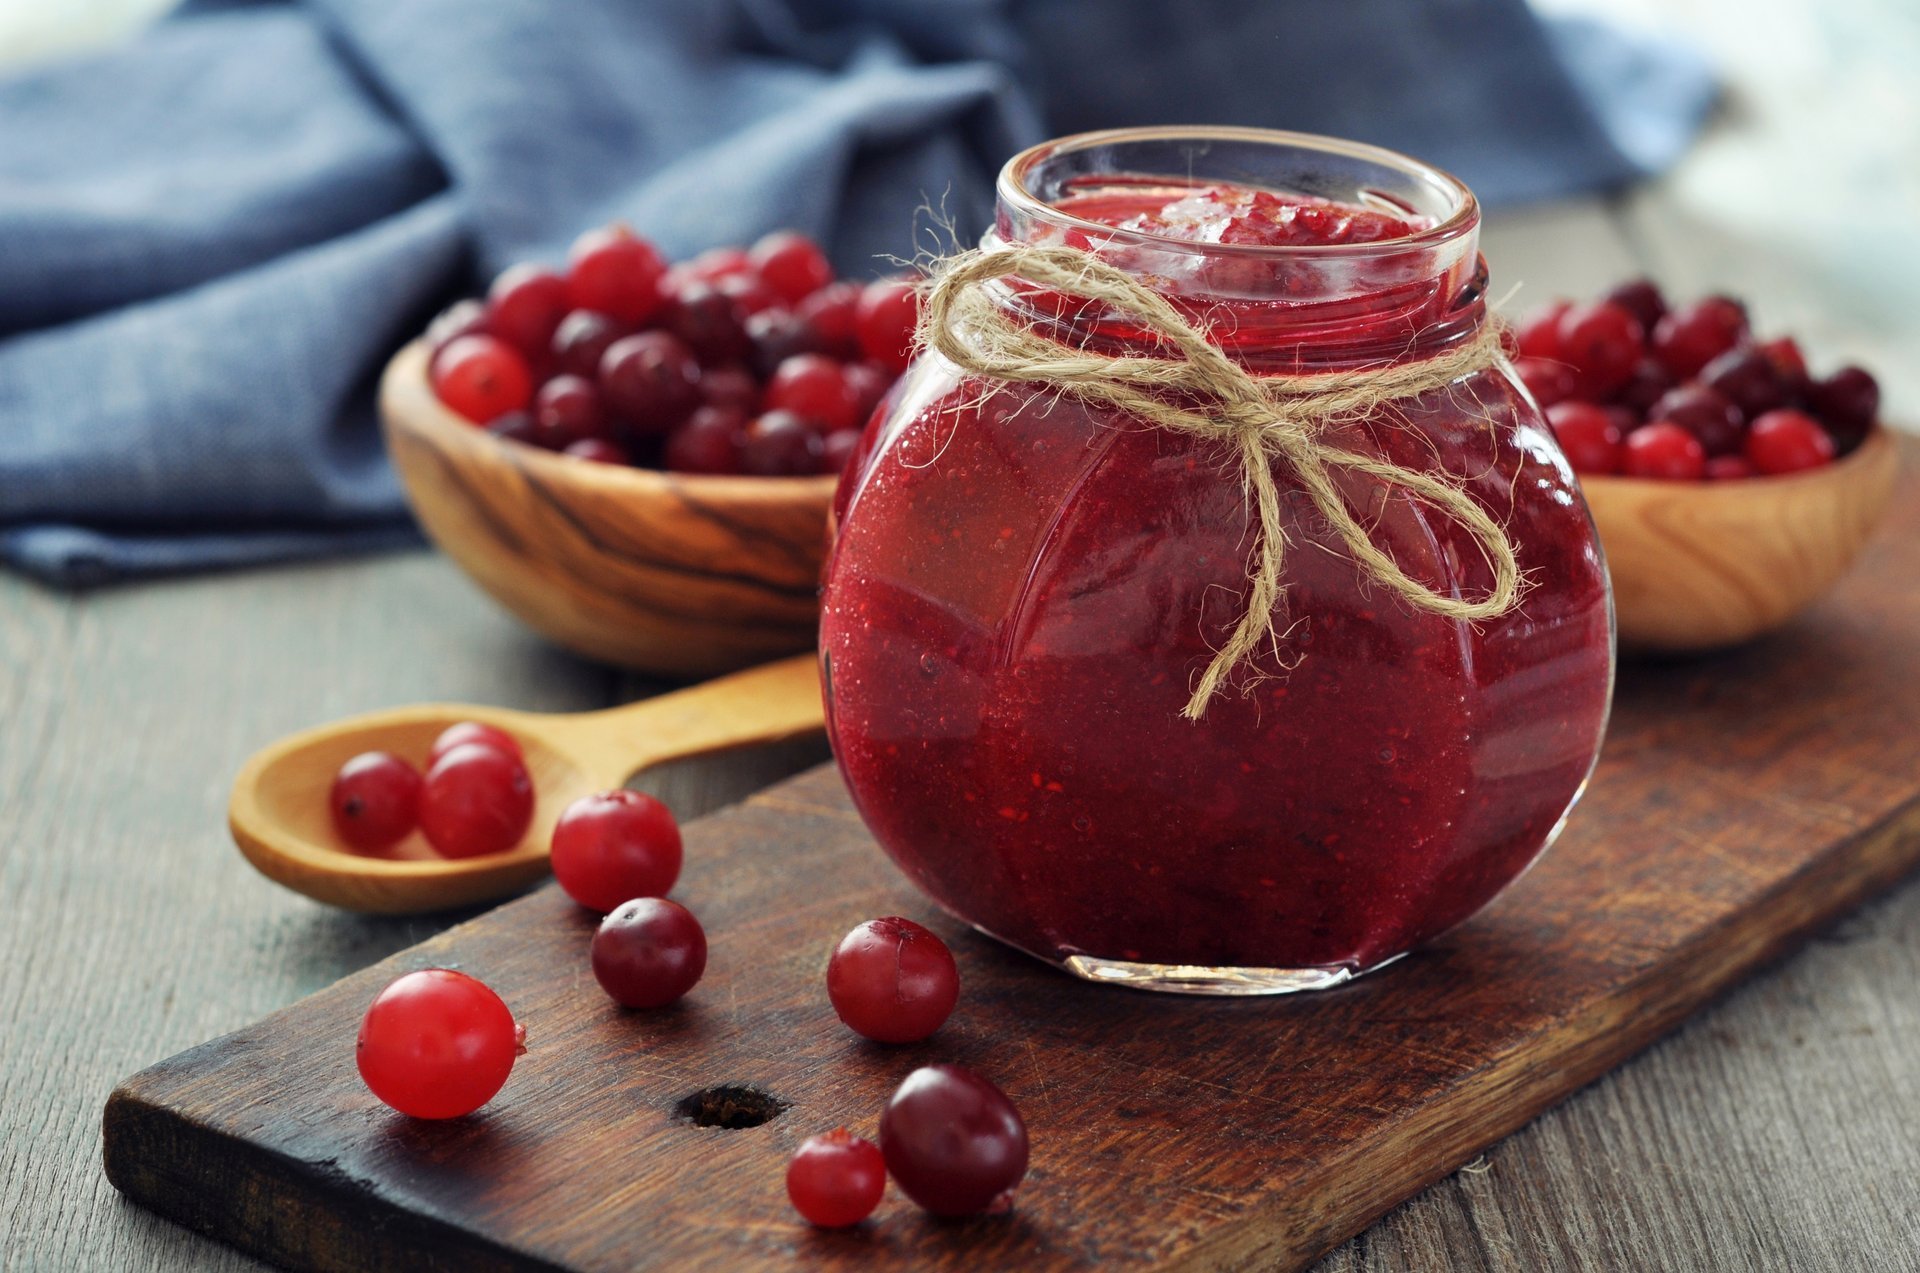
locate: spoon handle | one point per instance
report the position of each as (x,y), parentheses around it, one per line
(760,705)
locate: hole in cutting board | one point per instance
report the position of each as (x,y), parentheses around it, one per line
(730,1106)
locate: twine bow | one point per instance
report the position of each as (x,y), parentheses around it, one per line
(1264,418)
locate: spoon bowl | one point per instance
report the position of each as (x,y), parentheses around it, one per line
(280,818)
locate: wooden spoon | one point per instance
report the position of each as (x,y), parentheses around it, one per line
(280,817)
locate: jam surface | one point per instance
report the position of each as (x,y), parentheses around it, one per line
(1023,588)
(1240,215)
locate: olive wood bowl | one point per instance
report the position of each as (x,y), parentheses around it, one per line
(1701,566)
(674,574)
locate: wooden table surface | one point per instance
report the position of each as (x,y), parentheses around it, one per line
(1774,1131)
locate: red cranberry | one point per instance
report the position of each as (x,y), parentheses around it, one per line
(1748,380)
(1705,413)
(749,295)
(1788,362)
(837,1179)
(1787,441)
(649,952)
(1644,387)
(476,800)
(566,410)
(885,321)
(617,273)
(831,312)
(708,322)
(462,318)
(838,449)
(870,384)
(791,264)
(650,380)
(709,442)
(1549,382)
(813,387)
(778,335)
(892,981)
(437,1044)
(1589,436)
(715,264)
(598,451)
(472,731)
(1692,336)
(375,801)
(581,340)
(481,378)
(514,426)
(1539,334)
(1665,451)
(952,1141)
(1848,402)
(731,388)
(1640,298)
(1729,468)
(525,306)
(1604,343)
(615,846)
(779,444)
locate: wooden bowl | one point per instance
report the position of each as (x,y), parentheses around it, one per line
(1701,566)
(673,574)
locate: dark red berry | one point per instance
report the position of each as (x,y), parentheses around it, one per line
(525,306)
(1746,378)
(779,444)
(514,426)
(615,846)
(709,442)
(568,409)
(437,1044)
(892,981)
(1548,381)
(615,272)
(472,731)
(1729,468)
(651,381)
(707,321)
(1705,413)
(1644,387)
(831,312)
(732,388)
(581,340)
(1642,299)
(838,449)
(1848,402)
(885,320)
(953,1142)
(481,378)
(870,384)
(1604,343)
(649,952)
(462,318)
(813,387)
(1665,451)
(1589,436)
(778,335)
(1692,336)
(476,800)
(1539,332)
(1787,441)
(1788,362)
(749,295)
(598,451)
(375,801)
(791,264)
(837,1179)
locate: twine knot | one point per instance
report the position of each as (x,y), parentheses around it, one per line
(1262,418)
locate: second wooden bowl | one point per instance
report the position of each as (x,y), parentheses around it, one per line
(1700,566)
(673,574)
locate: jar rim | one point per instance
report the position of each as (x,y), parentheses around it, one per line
(1013,192)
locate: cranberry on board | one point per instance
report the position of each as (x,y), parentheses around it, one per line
(615,846)
(649,952)
(707,321)
(1548,381)
(1603,342)
(614,271)
(1848,402)
(1787,441)
(437,1044)
(598,451)
(779,444)
(709,442)
(1704,412)
(831,312)
(476,800)
(1748,379)
(525,306)
(1590,437)
(1665,451)
(581,340)
(836,1179)
(731,387)
(813,387)
(566,410)
(892,980)
(1640,298)
(952,1141)
(462,318)
(791,264)
(1539,333)
(885,320)
(375,801)
(473,731)
(1692,336)
(481,378)
(651,381)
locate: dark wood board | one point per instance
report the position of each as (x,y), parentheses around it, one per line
(1741,802)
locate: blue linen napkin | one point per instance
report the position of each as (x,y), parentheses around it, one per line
(212,238)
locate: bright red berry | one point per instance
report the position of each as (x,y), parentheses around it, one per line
(481,378)
(892,981)
(462,318)
(1539,334)
(715,264)
(1788,362)
(885,320)
(472,731)
(732,388)
(1603,342)
(779,444)
(831,311)
(615,272)
(749,295)
(615,846)
(837,1179)
(1706,413)
(581,340)
(1729,468)
(1548,381)
(709,442)
(791,264)
(1692,336)
(649,952)
(651,381)
(566,410)
(1665,451)
(1787,441)
(437,1044)
(525,306)
(814,387)
(598,451)
(476,800)
(1589,436)
(1640,298)
(375,801)
(953,1142)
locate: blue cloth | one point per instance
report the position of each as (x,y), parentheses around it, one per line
(211,238)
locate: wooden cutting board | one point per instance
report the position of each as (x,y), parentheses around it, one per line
(1741,802)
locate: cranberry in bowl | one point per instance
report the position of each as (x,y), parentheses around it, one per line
(1026,585)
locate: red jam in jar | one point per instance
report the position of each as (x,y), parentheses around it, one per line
(1023,589)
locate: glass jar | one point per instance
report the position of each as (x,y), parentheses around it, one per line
(1023,588)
